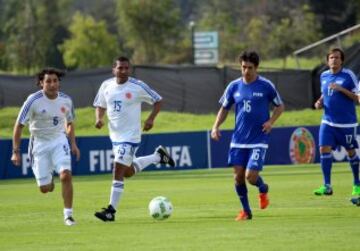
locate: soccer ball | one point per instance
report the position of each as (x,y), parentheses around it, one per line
(160,208)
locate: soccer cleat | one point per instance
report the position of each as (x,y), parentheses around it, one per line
(356,190)
(243,216)
(107,214)
(323,190)
(263,200)
(355,201)
(69,221)
(165,157)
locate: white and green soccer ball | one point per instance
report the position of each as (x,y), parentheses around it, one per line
(160,208)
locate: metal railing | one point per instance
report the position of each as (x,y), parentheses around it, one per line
(322,41)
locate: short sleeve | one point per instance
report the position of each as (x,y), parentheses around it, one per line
(354,83)
(274,95)
(147,94)
(70,116)
(26,110)
(99,100)
(227,99)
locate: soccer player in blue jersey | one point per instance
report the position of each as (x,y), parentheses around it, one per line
(251,95)
(340,90)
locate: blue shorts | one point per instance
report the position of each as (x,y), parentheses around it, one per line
(250,158)
(337,136)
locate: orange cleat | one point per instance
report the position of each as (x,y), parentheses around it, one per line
(243,216)
(263,200)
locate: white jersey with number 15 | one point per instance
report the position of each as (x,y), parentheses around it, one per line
(123,106)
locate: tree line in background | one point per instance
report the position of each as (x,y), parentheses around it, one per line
(81,34)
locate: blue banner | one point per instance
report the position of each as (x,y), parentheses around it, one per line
(287,145)
(293,145)
(283,148)
(7,169)
(190,150)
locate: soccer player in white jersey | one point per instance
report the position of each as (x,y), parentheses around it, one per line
(251,95)
(50,115)
(339,94)
(121,97)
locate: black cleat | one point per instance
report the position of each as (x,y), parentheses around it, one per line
(355,201)
(69,221)
(165,157)
(107,214)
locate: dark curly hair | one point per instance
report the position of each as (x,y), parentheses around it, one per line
(250,56)
(49,70)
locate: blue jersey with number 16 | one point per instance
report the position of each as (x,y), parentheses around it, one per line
(252,104)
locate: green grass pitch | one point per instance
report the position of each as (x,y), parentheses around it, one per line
(205,206)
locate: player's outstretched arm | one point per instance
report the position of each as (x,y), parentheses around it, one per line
(220,118)
(149,122)
(16,155)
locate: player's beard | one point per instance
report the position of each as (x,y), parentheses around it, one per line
(122,78)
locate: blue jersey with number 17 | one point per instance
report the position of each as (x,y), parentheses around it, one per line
(339,110)
(252,109)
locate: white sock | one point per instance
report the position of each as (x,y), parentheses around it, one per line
(142,162)
(68,212)
(117,189)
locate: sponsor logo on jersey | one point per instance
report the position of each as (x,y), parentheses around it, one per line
(43,111)
(128,95)
(302,146)
(258,94)
(339,82)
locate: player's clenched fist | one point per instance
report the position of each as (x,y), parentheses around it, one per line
(215,134)
(16,158)
(99,124)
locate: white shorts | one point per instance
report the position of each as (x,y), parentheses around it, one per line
(124,153)
(49,156)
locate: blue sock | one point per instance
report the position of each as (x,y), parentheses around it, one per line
(354,164)
(263,188)
(326,163)
(242,192)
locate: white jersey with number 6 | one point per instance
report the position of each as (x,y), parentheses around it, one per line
(46,117)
